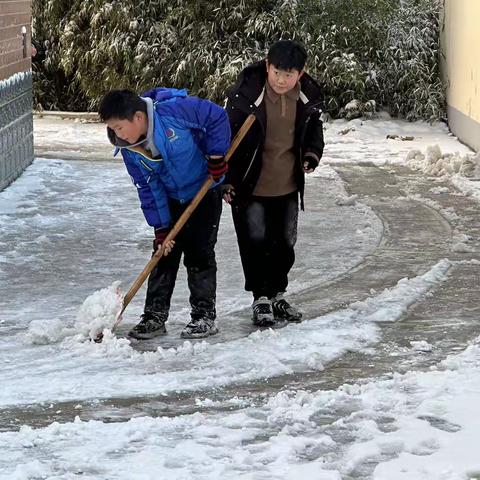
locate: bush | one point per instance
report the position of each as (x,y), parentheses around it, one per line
(382,50)
(410,78)
(53,89)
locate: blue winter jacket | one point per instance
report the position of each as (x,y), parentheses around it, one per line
(186,129)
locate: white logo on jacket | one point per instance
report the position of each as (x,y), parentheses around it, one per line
(171,134)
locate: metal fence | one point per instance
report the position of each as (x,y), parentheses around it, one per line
(16,126)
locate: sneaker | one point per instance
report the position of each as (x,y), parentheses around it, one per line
(282,310)
(151,325)
(200,327)
(262,312)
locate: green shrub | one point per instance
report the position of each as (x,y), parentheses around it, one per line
(410,78)
(382,50)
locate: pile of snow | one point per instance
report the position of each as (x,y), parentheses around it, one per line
(45,332)
(347,201)
(460,243)
(99,311)
(439,190)
(421,346)
(356,109)
(436,163)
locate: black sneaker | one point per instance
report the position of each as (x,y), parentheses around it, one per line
(282,310)
(151,325)
(200,327)
(262,312)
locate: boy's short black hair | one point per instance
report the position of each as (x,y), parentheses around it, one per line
(287,54)
(121,104)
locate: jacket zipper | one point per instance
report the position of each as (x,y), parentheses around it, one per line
(250,165)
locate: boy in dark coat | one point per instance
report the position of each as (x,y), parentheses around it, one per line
(170,143)
(265,180)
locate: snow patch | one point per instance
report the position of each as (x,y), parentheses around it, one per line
(45,332)
(434,162)
(99,311)
(419,425)
(439,190)
(421,346)
(391,304)
(460,243)
(347,201)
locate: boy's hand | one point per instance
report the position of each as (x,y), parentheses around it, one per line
(228,192)
(160,236)
(217,167)
(310,162)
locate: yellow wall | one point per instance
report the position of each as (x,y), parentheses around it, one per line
(461,45)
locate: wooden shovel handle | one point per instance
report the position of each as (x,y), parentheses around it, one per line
(181,222)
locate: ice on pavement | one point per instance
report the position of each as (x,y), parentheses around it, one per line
(73,228)
(263,354)
(99,311)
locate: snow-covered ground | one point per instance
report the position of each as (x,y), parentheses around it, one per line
(420,426)
(72,228)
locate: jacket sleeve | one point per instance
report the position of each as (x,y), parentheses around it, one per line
(314,143)
(236,118)
(151,192)
(208,119)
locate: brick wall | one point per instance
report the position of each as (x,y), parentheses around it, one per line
(16,125)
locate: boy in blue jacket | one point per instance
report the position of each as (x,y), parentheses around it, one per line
(170,143)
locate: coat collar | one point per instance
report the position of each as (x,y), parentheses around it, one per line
(252,79)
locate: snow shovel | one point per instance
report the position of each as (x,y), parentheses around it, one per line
(176,228)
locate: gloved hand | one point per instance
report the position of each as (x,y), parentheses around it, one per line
(217,167)
(160,236)
(310,162)
(228,192)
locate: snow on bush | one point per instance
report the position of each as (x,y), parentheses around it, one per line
(376,52)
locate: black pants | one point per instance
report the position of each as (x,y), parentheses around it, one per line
(196,241)
(267,232)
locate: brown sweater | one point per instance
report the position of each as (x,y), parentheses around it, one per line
(278,160)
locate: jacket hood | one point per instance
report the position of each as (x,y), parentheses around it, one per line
(157,95)
(118,142)
(161,94)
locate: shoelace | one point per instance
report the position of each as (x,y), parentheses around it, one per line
(282,305)
(262,308)
(202,321)
(200,325)
(150,322)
